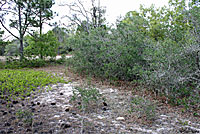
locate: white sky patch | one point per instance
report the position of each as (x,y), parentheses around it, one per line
(114,9)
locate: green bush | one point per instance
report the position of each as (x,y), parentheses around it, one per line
(115,56)
(173,70)
(42,46)
(13,63)
(169,67)
(158,47)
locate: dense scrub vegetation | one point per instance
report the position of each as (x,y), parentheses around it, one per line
(158,47)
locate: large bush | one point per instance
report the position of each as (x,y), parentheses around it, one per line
(173,70)
(115,53)
(42,46)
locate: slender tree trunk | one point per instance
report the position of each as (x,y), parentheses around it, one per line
(99,10)
(94,17)
(21,50)
(40,23)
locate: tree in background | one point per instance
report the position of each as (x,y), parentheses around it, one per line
(135,18)
(21,12)
(194,18)
(42,45)
(25,14)
(43,13)
(2,43)
(62,34)
(86,19)
(167,22)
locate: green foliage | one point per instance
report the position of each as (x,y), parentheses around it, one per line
(173,71)
(16,64)
(62,34)
(42,12)
(158,47)
(167,22)
(143,107)
(135,18)
(42,46)
(87,97)
(15,84)
(114,56)
(193,13)
(12,49)
(25,116)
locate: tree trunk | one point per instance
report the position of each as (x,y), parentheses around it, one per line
(40,23)
(21,50)
(99,10)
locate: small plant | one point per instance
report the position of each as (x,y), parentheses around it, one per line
(87,97)
(143,107)
(184,123)
(25,116)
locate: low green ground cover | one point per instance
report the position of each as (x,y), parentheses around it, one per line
(13,63)
(15,84)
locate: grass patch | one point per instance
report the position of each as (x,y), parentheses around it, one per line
(16,84)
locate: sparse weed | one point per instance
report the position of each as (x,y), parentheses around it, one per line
(25,116)
(143,107)
(87,97)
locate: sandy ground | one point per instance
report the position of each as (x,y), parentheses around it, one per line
(52,112)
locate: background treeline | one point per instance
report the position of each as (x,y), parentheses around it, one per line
(35,45)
